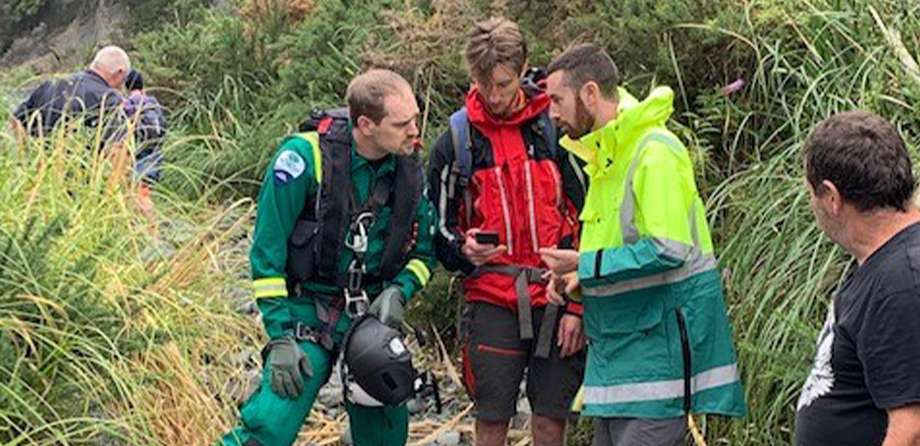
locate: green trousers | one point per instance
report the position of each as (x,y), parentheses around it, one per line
(267,419)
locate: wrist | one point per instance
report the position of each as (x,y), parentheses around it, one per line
(574,308)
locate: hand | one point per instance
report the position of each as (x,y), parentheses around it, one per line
(388,307)
(559,285)
(571,338)
(560,261)
(19,130)
(288,365)
(144,202)
(479,254)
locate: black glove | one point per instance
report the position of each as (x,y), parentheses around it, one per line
(288,365)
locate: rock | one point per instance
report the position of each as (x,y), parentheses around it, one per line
(248,307)
(345,438)
(523,406)
(330,396)
(449,438)
(415,406)
(157,250)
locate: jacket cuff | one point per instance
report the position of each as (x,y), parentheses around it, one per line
(574,308)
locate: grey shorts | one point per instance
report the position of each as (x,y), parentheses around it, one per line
(639,432)
(495,360)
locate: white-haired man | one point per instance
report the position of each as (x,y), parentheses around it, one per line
(90,95)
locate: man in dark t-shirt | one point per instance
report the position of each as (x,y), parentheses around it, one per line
(864,388)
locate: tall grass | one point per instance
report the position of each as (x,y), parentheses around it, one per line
(113,324)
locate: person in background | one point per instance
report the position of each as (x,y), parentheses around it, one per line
(149,127)
(91,95)
(149,122)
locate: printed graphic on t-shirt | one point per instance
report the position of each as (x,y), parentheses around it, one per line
(821,379)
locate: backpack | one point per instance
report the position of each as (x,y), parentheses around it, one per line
(151,122)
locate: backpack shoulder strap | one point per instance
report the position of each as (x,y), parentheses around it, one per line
(408,180)
(334,197)
(549,131)
(460,137)
(313,139)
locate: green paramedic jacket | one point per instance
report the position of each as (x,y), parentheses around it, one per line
(294,173)
(650,282)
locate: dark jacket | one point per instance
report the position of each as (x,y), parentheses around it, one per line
(84,95)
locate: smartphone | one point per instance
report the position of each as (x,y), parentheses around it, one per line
(486,238)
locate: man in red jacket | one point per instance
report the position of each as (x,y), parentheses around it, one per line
(504,189)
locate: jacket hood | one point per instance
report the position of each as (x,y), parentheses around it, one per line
(478,111)
(633,119)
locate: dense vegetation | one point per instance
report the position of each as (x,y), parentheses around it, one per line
(118,327)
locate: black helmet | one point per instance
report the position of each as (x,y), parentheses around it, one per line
(377,364)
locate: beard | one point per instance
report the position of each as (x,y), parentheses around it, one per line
(584,121)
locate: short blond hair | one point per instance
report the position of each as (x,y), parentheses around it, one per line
(494,42)
(366,93)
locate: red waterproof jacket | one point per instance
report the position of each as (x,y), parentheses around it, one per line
(524,188)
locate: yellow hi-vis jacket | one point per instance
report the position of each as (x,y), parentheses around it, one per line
(660,343)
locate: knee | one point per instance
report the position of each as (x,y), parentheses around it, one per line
(491,432)
(548,431)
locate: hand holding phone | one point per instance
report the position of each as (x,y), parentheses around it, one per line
(482,246)
(486,238)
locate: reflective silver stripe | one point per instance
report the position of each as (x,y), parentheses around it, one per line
(672,248)
(696,262)
(530,207)
(628,206)
(442,204)
(661,390)
(694,229)
(505,211)
(578,171)
(557,177)
(693,267)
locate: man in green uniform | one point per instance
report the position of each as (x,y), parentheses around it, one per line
(341,217)
(660,346)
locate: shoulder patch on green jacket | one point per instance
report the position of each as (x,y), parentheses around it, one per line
(289,165)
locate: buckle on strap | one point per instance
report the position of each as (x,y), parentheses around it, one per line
(356,306)
(305,333)
(523,276)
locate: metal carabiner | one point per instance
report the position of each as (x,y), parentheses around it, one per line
(355,276)
(358,240)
